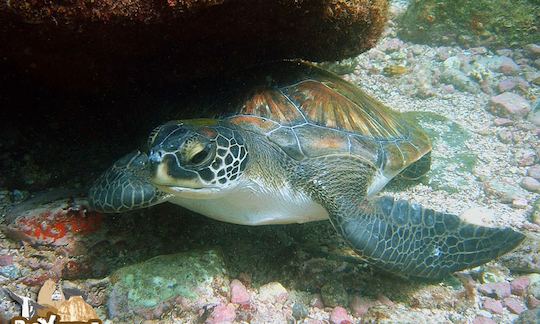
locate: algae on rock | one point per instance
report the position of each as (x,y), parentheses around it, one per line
(493,23)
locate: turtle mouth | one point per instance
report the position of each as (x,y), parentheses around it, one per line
(203,192)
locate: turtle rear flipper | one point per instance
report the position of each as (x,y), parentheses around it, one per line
(400,237)
(125,186)
(413,241)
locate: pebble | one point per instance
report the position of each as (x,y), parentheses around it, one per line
(534,172)
(317,301)
(505,136)
(519,285)
(483,320)
(530,184)
(514,305)
(222,314)
(503,122)
(520,203)
(504,52)
(535,216)
(360,305)
(239,293)
(6,260)
(533,49)
(334,294)
(526,157)
(339,316)
(273,292)
(532,316)
(509,104)
(299,311)
(532,302)
(493,306)
(508,66)
(499,290)
(506,85)
(534,288)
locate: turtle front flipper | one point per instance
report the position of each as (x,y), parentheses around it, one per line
(125,186)
(400,237)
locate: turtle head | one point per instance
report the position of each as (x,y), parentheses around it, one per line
(196,157)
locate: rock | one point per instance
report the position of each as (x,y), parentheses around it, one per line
(533,49)
(457,22)
(534,172)
(526,257)
(10,271)
(506,85)
(483,320)
(520,285)
(508,66)
(535,215)
(239,293)
(334,294)
(532,302)
(273,292)
(534,115)
(499,290)
(162,41)
(6,260)
(514,305)
(458,79)
(493,306)
(520,203)
(530,184)
(534,287)
(339,315)
(391,45)
(299,311)
(505,136)
(143,286)
(509,104)
(360,305)
(75,309)
(222,314)
(531,316)
(505,192)
(503,122)
(317,301)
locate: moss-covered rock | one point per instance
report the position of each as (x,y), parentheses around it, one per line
(494,23)
(452,163)
(145,285)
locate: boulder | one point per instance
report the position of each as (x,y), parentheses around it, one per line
(106,43)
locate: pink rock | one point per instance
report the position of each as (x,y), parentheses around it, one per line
(531,184)
(239,293)
(483,320)
(519,285)
(339,316)
(496,289)
(508,66)
(532,302)
(360,305)
(514,305)
(493,306)
(503,122)
(506,85)
(6,260)
(222,314)
(509,104)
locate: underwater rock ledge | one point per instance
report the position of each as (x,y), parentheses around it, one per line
(84,44)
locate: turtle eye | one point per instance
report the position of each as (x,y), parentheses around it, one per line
(201,156)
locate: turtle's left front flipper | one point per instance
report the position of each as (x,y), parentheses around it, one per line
(409,240)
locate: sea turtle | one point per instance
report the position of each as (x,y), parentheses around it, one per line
(304,145)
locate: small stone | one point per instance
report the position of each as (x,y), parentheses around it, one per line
(514,305)
(534,172)
(534,287)
(519,285)
(483,320)
(505,136)
(535,216)
(6,260)
(239,293)
(520,203)
(506,85)
(360,305)
(391,45)
(533,49)
(530,184)
(532,302)
(493,306)
(299,311)
(503,122)
(508,66)
(534,117)
(334,294)
(317,301)
(10,271)
(526,157)
(222,314)
(478,50)
(509,104)
(504,52)
(499,290)
(273,292)
(532,316)
(339,316)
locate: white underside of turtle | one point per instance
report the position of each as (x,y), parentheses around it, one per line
(253,202)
